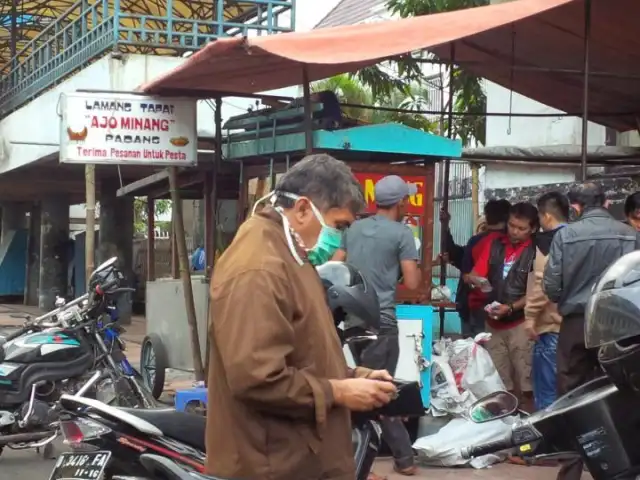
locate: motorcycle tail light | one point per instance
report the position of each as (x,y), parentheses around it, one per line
(79,430)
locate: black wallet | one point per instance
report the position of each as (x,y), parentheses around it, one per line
(408,402)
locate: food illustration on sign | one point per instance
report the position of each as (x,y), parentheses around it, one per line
(179,141)
(77,136)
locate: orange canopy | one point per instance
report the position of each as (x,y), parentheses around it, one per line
(541,34)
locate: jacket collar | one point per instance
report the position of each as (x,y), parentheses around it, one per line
(596,212)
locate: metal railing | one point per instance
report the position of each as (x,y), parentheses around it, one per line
(91,28)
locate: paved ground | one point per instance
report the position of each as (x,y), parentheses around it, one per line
(30,466)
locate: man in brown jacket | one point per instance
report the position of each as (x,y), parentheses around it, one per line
(279,390)
(542,320)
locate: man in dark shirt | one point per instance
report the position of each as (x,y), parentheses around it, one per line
(381,247)
(579,254)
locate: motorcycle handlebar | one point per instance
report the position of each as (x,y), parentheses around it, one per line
(486,448)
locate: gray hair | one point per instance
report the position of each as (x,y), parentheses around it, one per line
(326,181)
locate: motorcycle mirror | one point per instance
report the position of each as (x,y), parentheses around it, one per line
(492,407)
(103,266)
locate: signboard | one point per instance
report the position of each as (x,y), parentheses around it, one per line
(416,202)
(127,129)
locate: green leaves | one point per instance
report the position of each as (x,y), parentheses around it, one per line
(468,94)
(375,87)
(140,212)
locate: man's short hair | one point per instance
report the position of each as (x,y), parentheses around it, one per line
(327,182)
(497,211)
(587,195)
(632,204)
(555,204)
(524,210)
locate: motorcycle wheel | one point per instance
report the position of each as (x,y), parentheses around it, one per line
(153,364)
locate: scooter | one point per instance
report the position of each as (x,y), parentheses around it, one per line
(115,439)
(596,422)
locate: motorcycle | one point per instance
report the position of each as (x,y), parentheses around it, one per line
(54,354)
(96,431)
(596,422)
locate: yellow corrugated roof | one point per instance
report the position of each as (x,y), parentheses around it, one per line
(33,16)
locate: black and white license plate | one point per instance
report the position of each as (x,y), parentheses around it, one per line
(80,466)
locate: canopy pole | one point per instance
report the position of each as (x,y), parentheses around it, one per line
(445,190)
(212,204)
(585,91)
(185,274)
(308,114)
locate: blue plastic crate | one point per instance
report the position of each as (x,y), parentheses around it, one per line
(185,397)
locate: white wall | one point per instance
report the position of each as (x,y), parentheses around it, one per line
(529,132)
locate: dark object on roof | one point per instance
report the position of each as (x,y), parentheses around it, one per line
(596,155)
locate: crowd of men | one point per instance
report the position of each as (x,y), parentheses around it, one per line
(526,279)
(277,375)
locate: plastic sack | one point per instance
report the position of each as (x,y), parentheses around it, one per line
(442,449)
(446,399)
(481,377)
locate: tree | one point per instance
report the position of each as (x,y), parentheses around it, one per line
(350,90)
(140,212)
(468,94)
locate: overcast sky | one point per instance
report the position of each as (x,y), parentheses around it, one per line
(310,12)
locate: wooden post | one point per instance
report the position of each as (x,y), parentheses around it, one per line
(308,113)
(427,228)
(185,275)
(151,239)
(475,194)
(90,221)
(209,223)
(175,270)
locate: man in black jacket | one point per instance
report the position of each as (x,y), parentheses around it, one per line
(579,254)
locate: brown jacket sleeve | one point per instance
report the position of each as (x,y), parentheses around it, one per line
(251,322)
(536,299)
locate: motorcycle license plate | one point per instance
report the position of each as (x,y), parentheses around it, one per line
(81,466)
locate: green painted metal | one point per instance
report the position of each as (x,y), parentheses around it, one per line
(92,28)
(388,138)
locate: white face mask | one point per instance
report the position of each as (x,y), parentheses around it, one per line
(271,197)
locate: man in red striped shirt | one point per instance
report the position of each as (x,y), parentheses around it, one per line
(502,271)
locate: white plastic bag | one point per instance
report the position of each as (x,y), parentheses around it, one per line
(443,449)
(481,377)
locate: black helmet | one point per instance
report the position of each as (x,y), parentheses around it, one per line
(612,321)
(348,292)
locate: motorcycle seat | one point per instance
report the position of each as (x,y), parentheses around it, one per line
(187,428)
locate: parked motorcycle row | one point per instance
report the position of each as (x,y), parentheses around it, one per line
(66,374)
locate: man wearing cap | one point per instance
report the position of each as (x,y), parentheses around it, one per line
(383,249)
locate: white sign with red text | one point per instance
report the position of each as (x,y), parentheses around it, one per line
(128,129)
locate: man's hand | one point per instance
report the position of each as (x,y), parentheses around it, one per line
(362,394)
(380,375)
(500,311)
(443,257)
(530,330)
